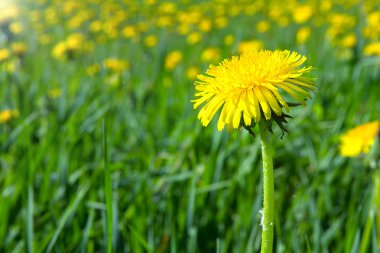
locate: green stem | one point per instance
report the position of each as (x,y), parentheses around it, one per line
(268,210)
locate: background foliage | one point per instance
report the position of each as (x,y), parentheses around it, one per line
(68,66)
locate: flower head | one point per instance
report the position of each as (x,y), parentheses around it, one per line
(247,87)
(359,139)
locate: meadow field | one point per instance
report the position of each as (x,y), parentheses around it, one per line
(101,149)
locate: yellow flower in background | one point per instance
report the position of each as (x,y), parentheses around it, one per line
(16,27)
(262,26)
(151,41)
(251,45)
(192,72)
(54,93)
(193,38)
(247,87)
(116,65)
(4,54)
(303,34)
(172,60)
(93,69)
(7,115)
(210,54)
(349,41)
(302,13)
(372,49)
(205,25)
(96,26)
(129,31)
(359,140)
(19,48)
(229,40)
(221,22)
(74,41)
(59,50)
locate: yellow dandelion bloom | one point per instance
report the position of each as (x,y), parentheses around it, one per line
(193,38)
(116,65)
(229,40)
(210,54)
(359,140)
(246,46)
(372,49)
(172,60)
(151,41)
(7,115)
(192,72)
(205,25)
(303,34)
(263,26)
(54,93)
(349,41)
(19,48)
(4,54)
(302,13)
(247,87)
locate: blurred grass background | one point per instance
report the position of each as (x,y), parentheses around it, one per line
(68,66)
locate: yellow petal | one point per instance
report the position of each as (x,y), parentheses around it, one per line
(272,101)
(263,103)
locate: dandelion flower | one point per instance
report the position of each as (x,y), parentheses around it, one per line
(172,60)
(247,87)
(7,115)
(359,140)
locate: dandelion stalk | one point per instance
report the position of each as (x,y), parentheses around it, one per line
(267,220)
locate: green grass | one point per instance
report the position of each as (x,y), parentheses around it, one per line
(170,184)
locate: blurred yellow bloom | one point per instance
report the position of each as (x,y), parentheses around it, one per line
(262,26)
(167,7)
(205,25)
(15,27)
(348,41)
(19,48)
(303,34)
(151,41)
(129,32)
(164,21)
(359,140)
(326,5)
(7,115)
(116,65)
(302,13)
(183,29)
(74,41)
(192,72)
(59,50)
(193,38)
(210,54)
(54,93)
(372,49)
(246,46)
(246,87)
(92,69)
(221,22)
(4,54)
(172,60)
(96,26)
(229,40)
